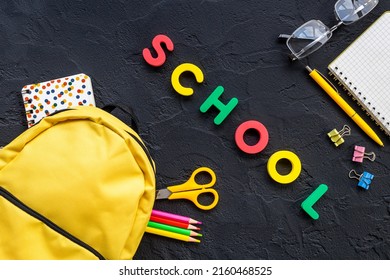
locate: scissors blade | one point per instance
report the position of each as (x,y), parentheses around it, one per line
(163,194)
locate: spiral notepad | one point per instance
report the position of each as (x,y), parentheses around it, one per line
(364,69)
(45,98)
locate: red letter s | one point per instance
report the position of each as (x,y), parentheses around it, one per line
(161,57)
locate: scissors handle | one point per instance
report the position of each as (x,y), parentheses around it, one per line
(191,184)
(194,196)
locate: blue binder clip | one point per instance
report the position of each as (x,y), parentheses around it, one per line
(364,179)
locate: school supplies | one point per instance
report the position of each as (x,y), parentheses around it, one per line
(295,163)
(173,223)
(359,154)
(313,34)
(307,204)
(337,137)
(363,69)
(80,184)
(364,179)
(175,217)
(191,190)
(171,234)
(173,226)
(316,76)
(178,230)
(45,98)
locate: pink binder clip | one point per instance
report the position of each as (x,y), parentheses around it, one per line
(359,154)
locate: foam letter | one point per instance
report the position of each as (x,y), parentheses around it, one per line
(260,145)
(161,57)
(225,109)
(176,75)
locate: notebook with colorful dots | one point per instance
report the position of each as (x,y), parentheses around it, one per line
(45,98)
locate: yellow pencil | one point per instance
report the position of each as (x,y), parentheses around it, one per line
(171,235)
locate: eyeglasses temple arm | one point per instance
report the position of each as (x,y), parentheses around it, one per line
(284,36)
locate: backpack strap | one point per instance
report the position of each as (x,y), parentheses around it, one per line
(133,120)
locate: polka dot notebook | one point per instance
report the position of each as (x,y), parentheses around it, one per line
(363,69)
(45,98)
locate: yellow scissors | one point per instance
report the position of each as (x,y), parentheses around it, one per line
(191,190)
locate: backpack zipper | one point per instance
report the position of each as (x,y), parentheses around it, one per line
(15,201)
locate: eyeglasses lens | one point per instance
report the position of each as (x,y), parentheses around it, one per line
(349,11)
(308,38)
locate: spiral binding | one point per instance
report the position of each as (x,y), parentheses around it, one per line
(360,99)
(24,92)
(28,101)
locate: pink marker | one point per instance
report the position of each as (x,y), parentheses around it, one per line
(170,216)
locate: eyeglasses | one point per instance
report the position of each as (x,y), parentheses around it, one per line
(313,34)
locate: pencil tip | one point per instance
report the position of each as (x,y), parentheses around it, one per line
(193,240)
(192,227)
(192,221)
(200,235)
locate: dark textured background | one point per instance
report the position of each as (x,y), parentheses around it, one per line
(235,44)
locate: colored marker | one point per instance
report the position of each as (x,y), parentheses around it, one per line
(171,235)
(173,223)
(178,230)
(174,217)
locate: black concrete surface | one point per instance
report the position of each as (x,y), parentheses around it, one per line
(235,44)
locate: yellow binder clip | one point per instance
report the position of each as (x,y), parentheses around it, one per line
(337,136)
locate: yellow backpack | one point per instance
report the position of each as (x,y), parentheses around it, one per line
(80,184)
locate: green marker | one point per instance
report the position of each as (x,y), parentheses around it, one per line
(308,203)
(182,231)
